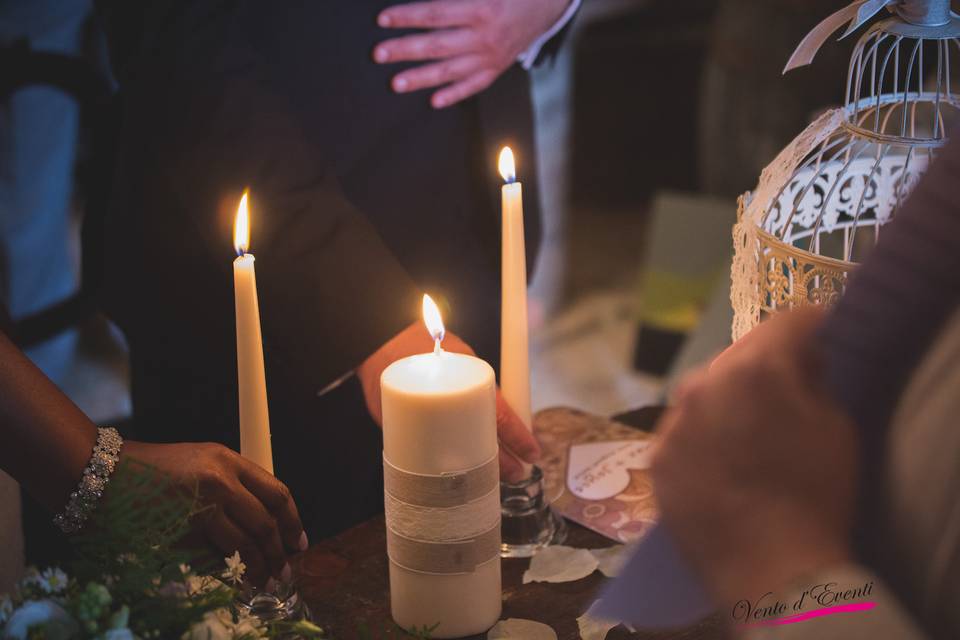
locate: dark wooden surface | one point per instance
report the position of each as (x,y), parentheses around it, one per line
(344,581)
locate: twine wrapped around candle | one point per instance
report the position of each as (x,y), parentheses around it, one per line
(442,524)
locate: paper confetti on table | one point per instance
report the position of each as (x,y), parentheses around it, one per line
(611,559)
(521,629)
(560,564)
(594,628)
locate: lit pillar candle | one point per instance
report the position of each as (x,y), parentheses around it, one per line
(441,489)
(252,387)
(514,348)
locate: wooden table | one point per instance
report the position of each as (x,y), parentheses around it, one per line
(344,581)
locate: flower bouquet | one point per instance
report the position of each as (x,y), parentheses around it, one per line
(129,578)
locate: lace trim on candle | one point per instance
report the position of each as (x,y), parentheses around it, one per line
(433,524)
(457,556)
(445,490)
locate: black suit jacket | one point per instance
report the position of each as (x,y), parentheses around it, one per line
(361,200)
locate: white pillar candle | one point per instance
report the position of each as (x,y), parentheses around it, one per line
(441,491)
(514,341)
(252,382)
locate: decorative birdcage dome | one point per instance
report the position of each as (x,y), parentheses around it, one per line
(821,204)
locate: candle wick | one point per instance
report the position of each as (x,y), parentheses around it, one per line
(436,345)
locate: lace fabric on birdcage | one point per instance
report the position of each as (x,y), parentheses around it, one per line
(746,272)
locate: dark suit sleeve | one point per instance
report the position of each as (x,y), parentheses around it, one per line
(203,121)
(552,46)
(5,324)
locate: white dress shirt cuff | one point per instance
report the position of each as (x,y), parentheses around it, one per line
(528,57)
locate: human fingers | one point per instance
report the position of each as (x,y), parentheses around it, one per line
(436,14)
(433,45)
(436,74)
(228,537)
(253,518)
(514,434)
(463,89)
(276,497)
(511,469)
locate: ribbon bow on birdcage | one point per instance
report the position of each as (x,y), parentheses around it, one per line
(926,13)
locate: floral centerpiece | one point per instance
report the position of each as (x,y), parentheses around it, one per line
(130,578)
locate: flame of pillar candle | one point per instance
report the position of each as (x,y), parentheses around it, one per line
(433,320)
(241,226)
(508,168)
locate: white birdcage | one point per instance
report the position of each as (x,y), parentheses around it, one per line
(822,203)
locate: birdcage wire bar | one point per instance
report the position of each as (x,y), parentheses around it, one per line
(829,211)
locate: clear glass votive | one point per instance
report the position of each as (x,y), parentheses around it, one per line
(279,601)
(527,521)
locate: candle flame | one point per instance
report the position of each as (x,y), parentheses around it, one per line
(508,169)
(431,318)
(241,226)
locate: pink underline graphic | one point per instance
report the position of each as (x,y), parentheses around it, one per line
(826,611)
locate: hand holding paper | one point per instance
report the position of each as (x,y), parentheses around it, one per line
(755,473)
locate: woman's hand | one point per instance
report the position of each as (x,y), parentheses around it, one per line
(516,441)
(251,511)
(468,43)
(756,469)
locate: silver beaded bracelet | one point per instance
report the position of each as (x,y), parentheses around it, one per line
(96,475)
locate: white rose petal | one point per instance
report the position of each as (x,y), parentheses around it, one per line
(560,564)
(594,628)
(521,630)
(611,559)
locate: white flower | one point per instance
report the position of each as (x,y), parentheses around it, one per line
(31,577)
(54,580)
(235,568)
(219,625)
(197,585)
(57,623)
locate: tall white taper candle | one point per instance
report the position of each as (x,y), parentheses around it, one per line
(514,346)
(251,378)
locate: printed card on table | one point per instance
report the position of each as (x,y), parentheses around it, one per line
(596,472)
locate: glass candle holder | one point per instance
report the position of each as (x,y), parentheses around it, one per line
(528,523)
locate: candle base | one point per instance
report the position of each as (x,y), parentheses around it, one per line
(280,604)
(528,523)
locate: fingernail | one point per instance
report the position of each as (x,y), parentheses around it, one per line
(399,84)
(271,586)
(380,54)
(304,543)
(383,20)
(287,573)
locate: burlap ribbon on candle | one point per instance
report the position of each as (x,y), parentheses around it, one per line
(445,490)
(447,523)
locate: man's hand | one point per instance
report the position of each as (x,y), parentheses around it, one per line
(756,469)
(468,43)
(515,439)
(252,512)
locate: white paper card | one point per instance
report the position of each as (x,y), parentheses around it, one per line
(598,470)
